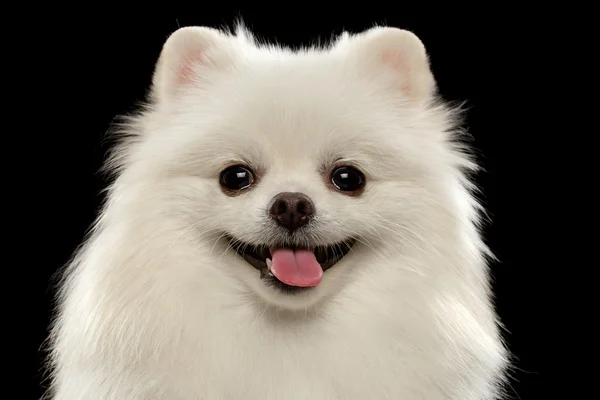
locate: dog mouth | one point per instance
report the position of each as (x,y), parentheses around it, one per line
(291,269)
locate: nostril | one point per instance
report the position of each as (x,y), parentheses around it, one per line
(301,207)
(305,208)
(280,207)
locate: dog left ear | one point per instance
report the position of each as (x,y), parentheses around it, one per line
(401,55)
(189,58)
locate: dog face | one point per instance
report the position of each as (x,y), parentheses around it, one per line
(300,171)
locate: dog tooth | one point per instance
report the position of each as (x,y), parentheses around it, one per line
(268,261)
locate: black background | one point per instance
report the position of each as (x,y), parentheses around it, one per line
(99,66)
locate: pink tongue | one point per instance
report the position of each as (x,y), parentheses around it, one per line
(296,267)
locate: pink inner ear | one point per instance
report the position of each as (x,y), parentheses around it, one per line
(394,59)
(397,61)
(188,68)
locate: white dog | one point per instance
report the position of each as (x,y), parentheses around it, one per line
(284,225)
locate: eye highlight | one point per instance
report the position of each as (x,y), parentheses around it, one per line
(236,178)
(348,179)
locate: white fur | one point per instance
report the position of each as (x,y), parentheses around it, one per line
(154,306)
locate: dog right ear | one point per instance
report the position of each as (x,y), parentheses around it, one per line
(400,55)
(188,58)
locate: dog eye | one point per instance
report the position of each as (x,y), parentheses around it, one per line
(236,178)
(347,179)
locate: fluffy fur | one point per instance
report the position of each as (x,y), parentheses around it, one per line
(156,305)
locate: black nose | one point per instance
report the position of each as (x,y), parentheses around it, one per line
(292,210)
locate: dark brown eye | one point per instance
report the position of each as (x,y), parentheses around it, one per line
(347,179)
(236,178)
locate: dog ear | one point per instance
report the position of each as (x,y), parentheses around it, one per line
(188,58)
(402,55)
